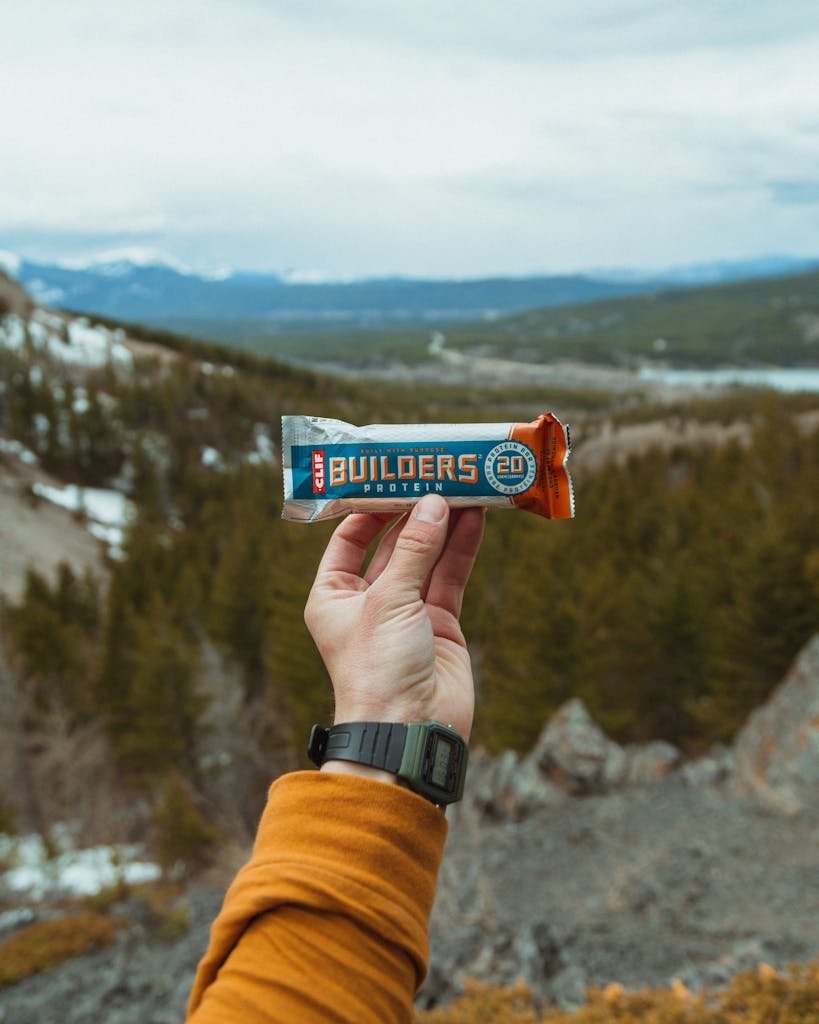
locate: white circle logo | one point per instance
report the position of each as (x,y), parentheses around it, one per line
(511,467)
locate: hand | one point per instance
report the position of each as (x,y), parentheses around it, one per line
(391,640)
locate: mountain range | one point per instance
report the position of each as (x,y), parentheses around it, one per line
(147,288)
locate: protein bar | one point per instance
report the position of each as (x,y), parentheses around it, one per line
(332,468)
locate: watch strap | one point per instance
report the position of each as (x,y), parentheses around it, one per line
(377,744)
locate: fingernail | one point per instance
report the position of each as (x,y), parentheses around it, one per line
(430,509)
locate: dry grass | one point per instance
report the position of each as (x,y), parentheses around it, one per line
(39,947)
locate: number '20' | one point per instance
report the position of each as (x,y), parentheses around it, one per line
(510,465)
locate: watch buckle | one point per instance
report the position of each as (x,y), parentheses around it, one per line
(317,745)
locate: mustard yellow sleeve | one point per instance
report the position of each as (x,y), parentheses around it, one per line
(328,921)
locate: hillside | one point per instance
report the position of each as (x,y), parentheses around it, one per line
(763,322)
(36,533)
(773,321)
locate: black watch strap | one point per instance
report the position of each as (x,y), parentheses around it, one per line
(378,744)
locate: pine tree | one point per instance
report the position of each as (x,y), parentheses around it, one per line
(163,702)
(53,632)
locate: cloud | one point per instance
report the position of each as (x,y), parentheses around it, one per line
(543,30)
(357,136)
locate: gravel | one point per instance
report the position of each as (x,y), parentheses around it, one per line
(640,886)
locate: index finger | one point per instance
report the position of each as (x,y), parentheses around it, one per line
(347,548)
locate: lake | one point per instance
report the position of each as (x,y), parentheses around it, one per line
(804,378)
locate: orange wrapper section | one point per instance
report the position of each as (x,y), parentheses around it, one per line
(551,495)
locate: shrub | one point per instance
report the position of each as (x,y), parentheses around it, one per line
(183,835)
(167,913)
(39,947)
(763,996)
(486,1004)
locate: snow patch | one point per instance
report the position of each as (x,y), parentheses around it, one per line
(94,345)
(209,369)
(44,292)
(306,275)
(108,507)
(10,262)
(36,876)
(19,451)
(80,404)
(120,262)
(42,426)
(74,341)
(212,458)
(113,536)
(265,450)
(13,332)
(12,919)
(52,320)
(108,512)
(217,274)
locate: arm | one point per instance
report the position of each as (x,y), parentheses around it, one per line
(328,920)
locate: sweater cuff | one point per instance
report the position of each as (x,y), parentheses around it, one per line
(339,844)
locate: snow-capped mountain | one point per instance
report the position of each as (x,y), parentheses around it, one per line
(123,262)
(150,288)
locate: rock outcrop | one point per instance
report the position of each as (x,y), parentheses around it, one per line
(777,752)
(775,757)
(576,754)
(572,757)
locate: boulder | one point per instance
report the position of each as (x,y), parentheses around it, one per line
(777,751)
(711,769)
(532,951)
(508,787)
(576,754)
(651,762)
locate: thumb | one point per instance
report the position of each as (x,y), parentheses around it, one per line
(418,545)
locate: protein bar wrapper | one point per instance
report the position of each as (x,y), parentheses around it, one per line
(332,468)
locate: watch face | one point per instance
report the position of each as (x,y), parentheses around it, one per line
(442,761)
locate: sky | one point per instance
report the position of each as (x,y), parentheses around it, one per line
(348,138)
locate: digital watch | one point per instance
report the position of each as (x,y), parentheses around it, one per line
(429,757)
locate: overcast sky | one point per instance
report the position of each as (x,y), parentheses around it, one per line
(423,137)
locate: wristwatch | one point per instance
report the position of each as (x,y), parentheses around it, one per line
(429,757)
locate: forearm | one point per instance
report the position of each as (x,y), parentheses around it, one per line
(328,920)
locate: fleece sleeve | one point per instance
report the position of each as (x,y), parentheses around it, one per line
(328,921)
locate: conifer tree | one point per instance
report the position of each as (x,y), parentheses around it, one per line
(163,702)
(53,632)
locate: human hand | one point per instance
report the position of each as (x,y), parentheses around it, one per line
(391,639)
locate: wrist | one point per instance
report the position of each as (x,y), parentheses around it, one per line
(364,770)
